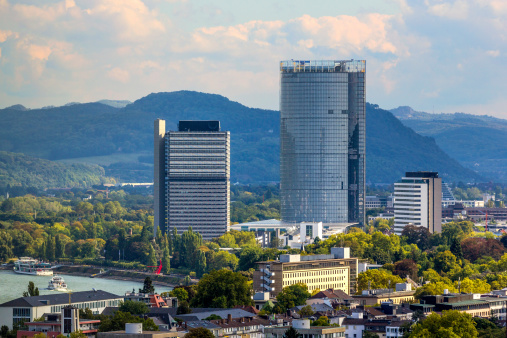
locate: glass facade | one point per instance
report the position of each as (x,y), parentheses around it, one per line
(322,132)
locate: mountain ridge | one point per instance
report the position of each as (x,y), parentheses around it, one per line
(95,129)
(476,141)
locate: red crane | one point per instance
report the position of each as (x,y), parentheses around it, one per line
(159,268)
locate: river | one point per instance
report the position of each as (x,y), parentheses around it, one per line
(12,285)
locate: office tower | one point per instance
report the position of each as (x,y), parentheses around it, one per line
(418,201)
(322,134)
(159,177)
(196,178)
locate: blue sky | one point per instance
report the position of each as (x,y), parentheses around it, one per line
(433,55)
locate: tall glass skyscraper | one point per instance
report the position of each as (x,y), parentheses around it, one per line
(322,132)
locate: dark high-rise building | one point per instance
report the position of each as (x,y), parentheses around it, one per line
(322,132)
(194,178)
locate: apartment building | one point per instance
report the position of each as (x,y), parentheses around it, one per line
(334,271)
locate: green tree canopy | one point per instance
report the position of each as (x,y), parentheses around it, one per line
(133,307)
(378,279)
(147,286)
(451,324)
(200,332)
(291,296)
(117,322)
(220,285)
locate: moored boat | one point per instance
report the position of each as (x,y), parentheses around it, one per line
(30,266)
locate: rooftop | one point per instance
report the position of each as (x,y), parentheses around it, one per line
(322,66)
(60,299)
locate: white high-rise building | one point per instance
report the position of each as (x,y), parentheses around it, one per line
(418,201)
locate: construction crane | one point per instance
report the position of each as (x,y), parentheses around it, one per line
(106,191)
(159,268)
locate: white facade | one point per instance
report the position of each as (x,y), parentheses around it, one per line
(411,205)
(310,230)
(10,314)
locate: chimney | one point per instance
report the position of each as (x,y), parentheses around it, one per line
(229,318)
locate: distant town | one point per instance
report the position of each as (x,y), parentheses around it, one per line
(321,254)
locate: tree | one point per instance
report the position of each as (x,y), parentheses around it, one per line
(213,317)
(444,261)
(291,333)
(147,286)
(135,308)
(189,244)
(475,248)
(224,260)
(249,256)
(433,288)
(377,279)
(179,293)
(306,311)
(406,267)
(50,248)
(322,321)
(117,322)
(368,334)
(32,290)
(450,324)
(77,334)
(183,308)
(166,262)
(152,259)
(3,330)
(291,296)
(200,264)
(59,247)
(200,332)
(419,236)
(456,249)
(233,286)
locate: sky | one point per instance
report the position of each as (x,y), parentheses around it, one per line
(433,55)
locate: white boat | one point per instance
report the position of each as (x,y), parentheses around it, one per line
(30,266)
(57,284)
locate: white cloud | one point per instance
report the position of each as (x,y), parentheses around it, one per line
(431,52)
(457,10)
(493,53)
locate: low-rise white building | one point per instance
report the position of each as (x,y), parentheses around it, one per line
(26,309)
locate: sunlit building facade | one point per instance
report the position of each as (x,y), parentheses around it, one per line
(322,132)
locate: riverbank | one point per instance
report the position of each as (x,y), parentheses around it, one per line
(114,274)
(15,284)
(124,275)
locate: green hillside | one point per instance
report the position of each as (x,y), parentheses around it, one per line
(476,141)
(89,132)
(21,170)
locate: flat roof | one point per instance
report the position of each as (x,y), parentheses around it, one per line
(61,299)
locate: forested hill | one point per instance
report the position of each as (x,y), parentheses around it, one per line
(392,149)
(82,130)
(18,169)
(476,141)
